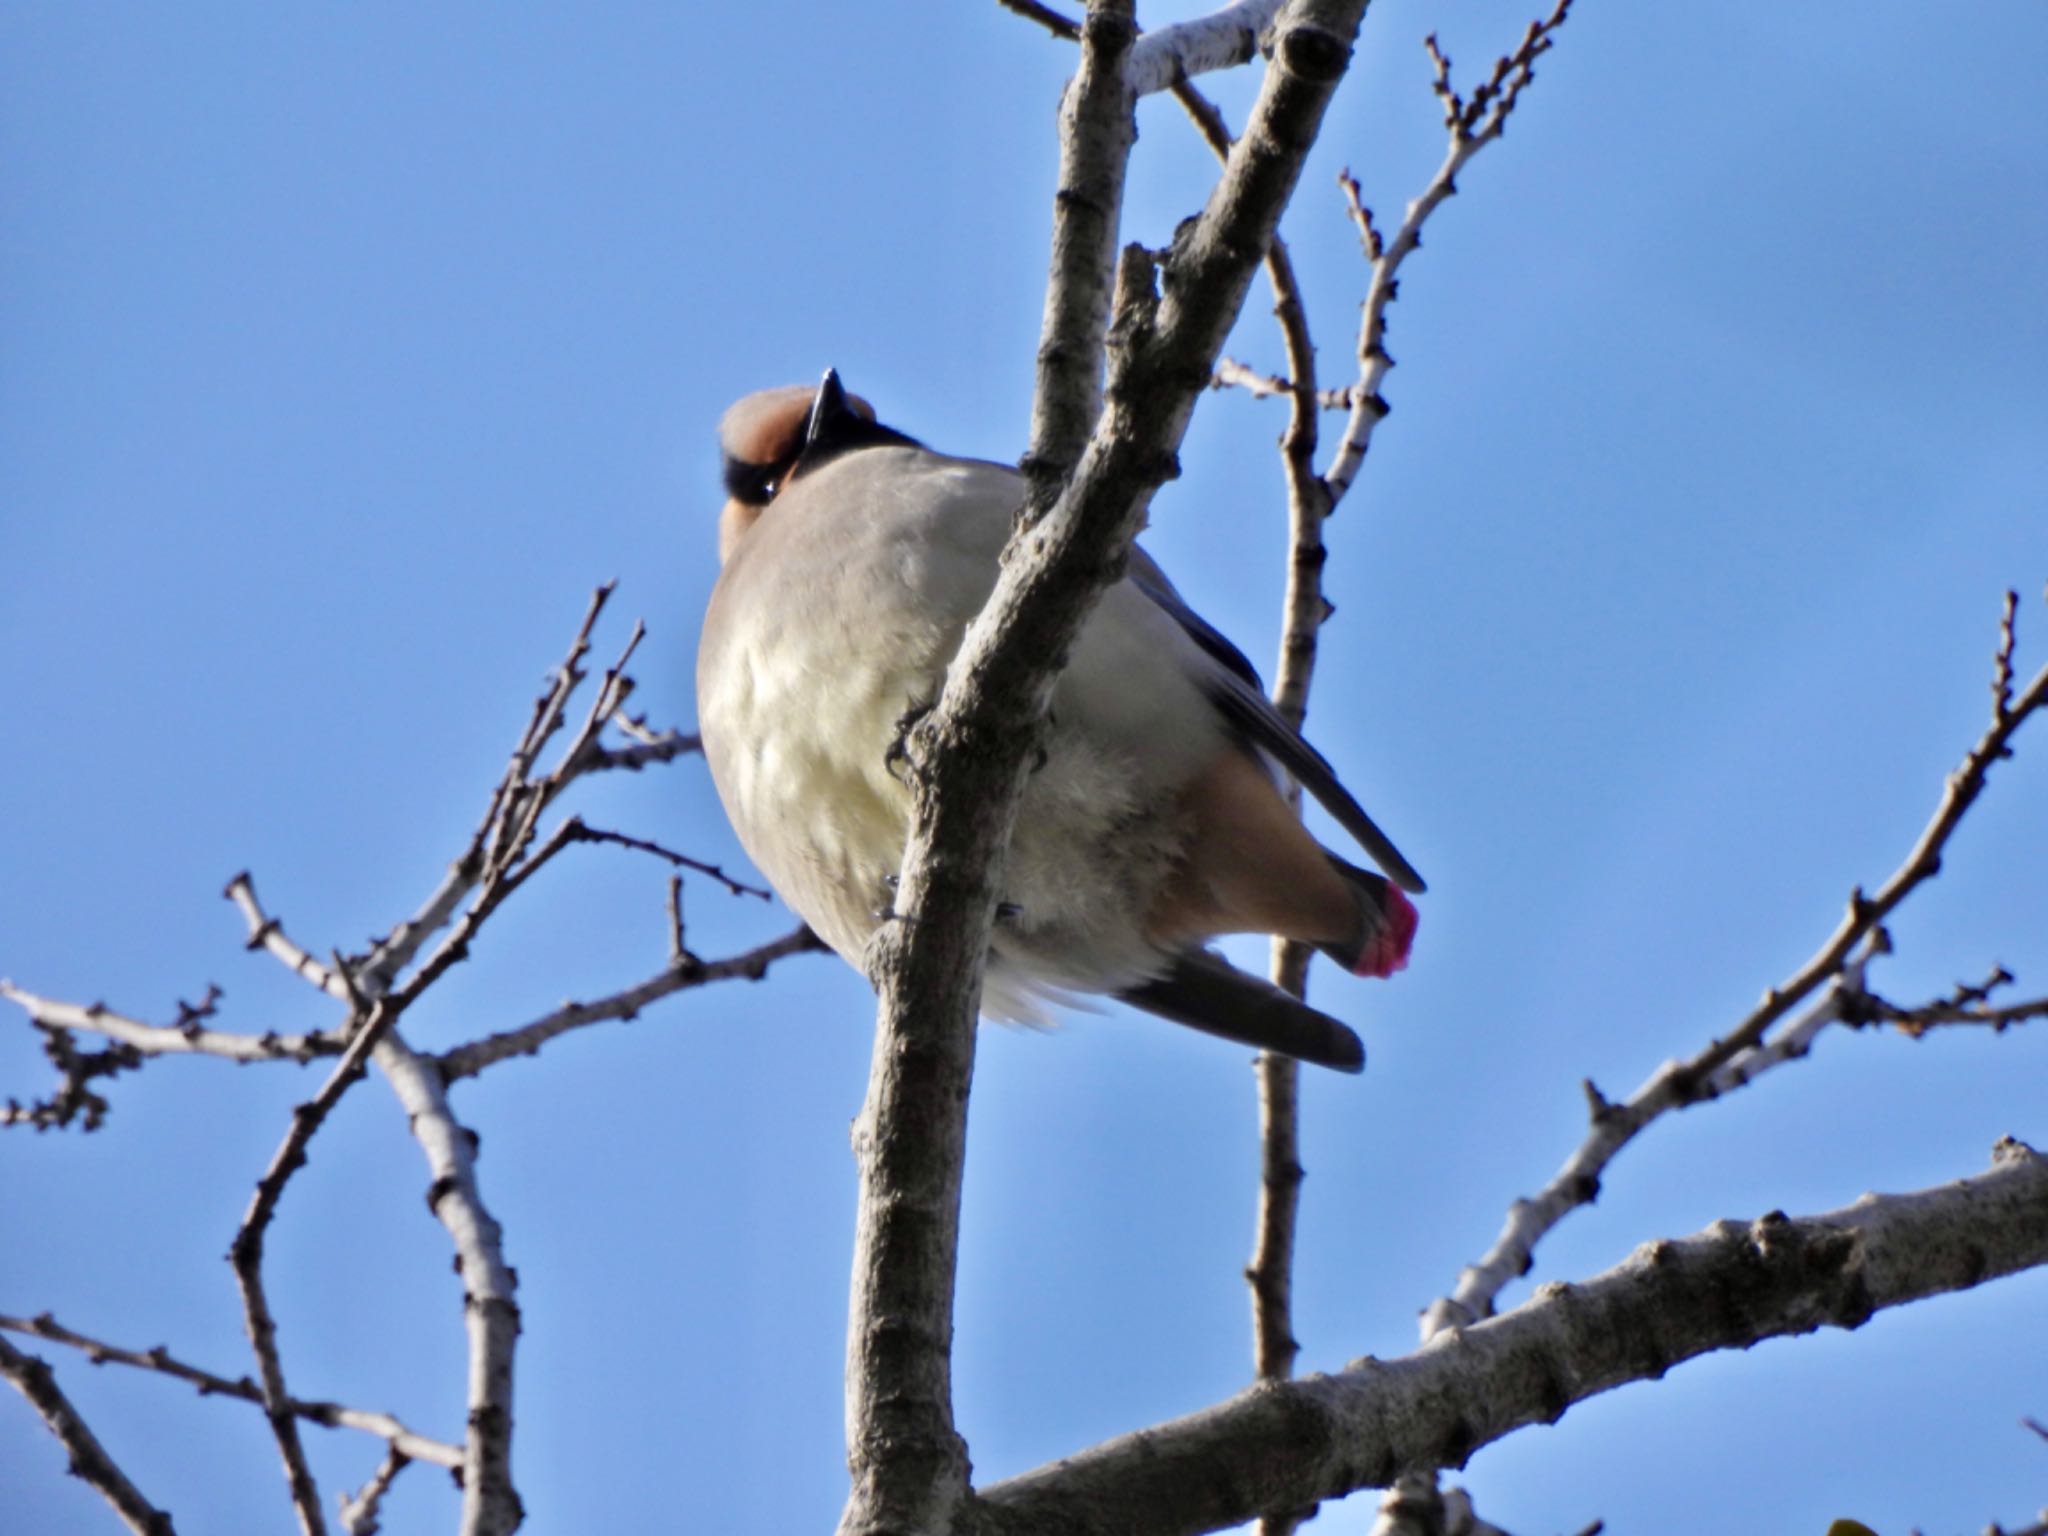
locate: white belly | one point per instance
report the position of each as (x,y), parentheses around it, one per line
(818,642)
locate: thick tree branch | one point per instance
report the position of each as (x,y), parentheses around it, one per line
(1727,1287)
(1096,134)
(969,759)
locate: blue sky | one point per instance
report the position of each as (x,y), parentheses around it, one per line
(346,349)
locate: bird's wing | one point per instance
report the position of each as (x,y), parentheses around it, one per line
(1234,689)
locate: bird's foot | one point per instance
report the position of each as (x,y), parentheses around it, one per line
(896,761)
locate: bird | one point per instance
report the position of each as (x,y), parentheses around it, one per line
(852,559)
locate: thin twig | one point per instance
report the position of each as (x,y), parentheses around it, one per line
(1232,374)
(1270,1274)
(1828,988)
(416,1446)
(509,820)
(34,1379)
(1058,25)
(471,1058)
(245,1253)
(1472,126)
(517,802)
(646,750)
(75,1099)
(266,932)
(359,1512)
(589,834)
(678,952)
(187,1038)
(1969,1003)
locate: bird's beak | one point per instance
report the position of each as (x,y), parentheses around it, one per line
(828,406)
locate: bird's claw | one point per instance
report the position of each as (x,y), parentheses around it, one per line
(896,761)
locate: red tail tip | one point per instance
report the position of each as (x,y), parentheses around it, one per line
(1388,951)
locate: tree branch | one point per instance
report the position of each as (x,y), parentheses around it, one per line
(1166,56)
(34,1379)
(184,1038)
(1726,1287)
(490,1503)
(1745,1052)
(515,805)
(411,1443)
(359,1514)
(469,1059)
(1270,1274)
(1472,126)
(968,760)
(245,1253)
(1096,131)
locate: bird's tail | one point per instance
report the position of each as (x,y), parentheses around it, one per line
(1204,991)
(1387,920)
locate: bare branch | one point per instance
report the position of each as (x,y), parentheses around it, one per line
(1165,56)
(589,834)
(1969,1003)
(34,1379)
(267,933)
(1096,132)
(75,1099)
(648,748)
(1867,914)
(968,761)
(514,807)
(1745,1052)
(245,1253)
(1320,1437)
(1303,609)
(470,1059)
(1472,126)
(184,1038)
(359,1513)
(2001,667)
(516,804)
(1232,374)
(909,1465)
(490,1503)
(1058,25)
(411,1443)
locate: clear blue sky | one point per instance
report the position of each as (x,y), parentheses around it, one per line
(343,349)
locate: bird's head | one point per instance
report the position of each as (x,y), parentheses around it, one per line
(774,436)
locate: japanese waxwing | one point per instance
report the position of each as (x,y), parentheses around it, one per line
(853,558)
